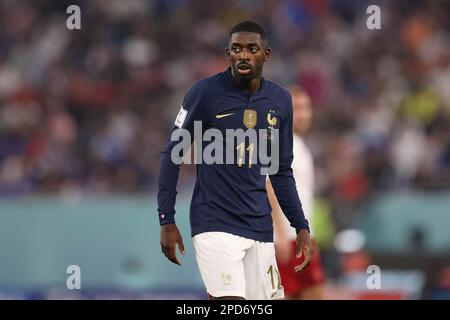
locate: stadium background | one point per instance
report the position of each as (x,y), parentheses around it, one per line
(84,114)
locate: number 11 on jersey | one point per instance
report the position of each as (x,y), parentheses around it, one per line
(240,148)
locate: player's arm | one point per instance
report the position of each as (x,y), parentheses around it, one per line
(169,172)
(282,243)
(283,183)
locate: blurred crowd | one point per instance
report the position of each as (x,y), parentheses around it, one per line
(89,110)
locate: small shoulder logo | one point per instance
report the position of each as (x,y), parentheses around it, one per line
(181,117)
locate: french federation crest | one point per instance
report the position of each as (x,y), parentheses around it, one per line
(271,119)
(250,118)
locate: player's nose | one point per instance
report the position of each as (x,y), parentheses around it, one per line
(243,56)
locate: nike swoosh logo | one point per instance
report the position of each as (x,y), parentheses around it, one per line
(218,116)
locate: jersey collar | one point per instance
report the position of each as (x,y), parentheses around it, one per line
(260,93)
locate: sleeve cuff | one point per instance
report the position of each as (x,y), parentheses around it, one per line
(304,225)
(166,218)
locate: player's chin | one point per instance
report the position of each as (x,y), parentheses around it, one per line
(245,76)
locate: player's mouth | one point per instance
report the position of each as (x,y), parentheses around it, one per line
(244,69)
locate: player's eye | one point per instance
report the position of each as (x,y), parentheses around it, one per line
(253,49)
(236,49)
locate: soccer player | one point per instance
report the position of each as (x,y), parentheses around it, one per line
(230,214)
(307,284)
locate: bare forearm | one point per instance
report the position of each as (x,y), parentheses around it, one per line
(276,212)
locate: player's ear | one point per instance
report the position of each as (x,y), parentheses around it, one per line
(227,51)
(267,52)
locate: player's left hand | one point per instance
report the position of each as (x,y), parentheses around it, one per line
(304,247)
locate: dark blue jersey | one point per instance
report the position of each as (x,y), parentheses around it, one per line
(232,198)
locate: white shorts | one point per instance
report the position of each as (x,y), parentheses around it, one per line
(231,265)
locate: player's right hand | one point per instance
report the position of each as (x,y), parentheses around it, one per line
(170,237)
(304,247)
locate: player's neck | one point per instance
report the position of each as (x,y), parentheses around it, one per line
(252,86)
